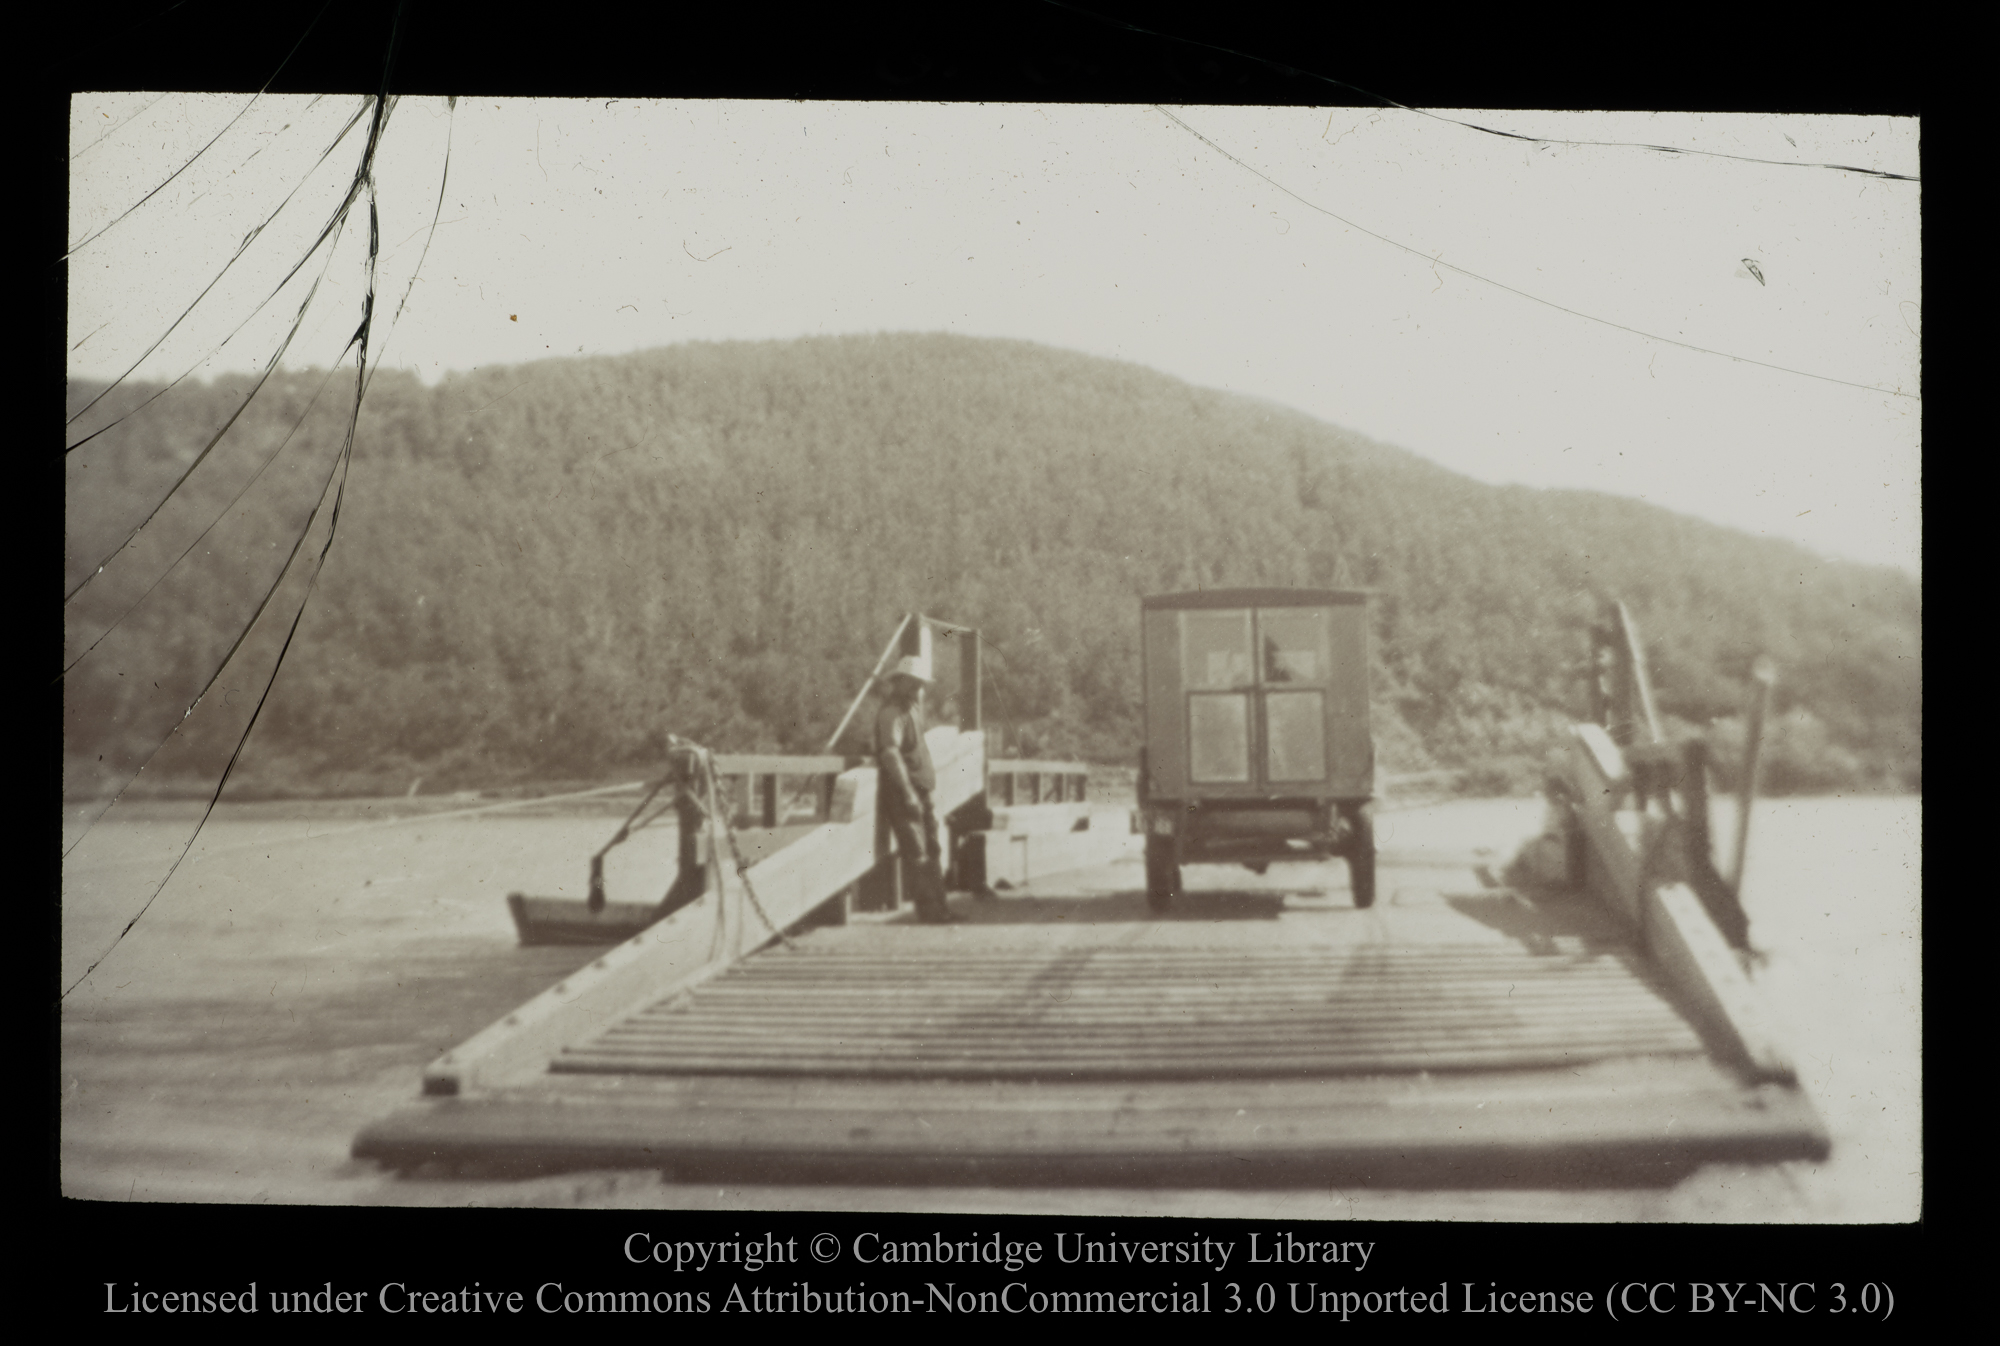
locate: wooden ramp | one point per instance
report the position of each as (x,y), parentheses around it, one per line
(1258,1038)
(918,1003)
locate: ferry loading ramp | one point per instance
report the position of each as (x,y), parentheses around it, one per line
(1585,1023)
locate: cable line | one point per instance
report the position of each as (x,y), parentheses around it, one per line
(1286,68)
(1502,285)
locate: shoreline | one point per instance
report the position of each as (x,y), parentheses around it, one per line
(612,799)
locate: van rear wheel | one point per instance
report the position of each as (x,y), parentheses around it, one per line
(1163,874)
(1361,861)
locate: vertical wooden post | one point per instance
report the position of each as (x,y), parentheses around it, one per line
(969,709)
(1694,798)
(1645,718)
(768,799)
(1623,724)
(1576,849)
(690,875)
(687,814)
(968,853)
(1763,675)
(967,826)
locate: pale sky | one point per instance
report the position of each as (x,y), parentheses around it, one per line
(1235,248)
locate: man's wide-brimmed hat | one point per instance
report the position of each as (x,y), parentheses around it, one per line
(910,666)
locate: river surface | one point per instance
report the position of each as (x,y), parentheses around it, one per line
(224,1040)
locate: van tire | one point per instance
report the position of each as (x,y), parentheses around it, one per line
(1361,861)
(1163,874)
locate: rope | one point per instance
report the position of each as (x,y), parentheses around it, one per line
(718,815)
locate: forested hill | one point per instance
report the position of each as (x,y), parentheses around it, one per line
(542,570)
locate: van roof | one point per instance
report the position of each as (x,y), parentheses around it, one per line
(1255,598)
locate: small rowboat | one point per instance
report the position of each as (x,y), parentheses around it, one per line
(569,920)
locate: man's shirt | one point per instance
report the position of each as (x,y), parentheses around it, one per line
(898,737)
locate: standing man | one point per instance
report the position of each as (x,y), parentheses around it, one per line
(905,780)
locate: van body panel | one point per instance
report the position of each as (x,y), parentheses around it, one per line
(1257,694)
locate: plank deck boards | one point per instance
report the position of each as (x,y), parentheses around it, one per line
(886,1005)
(1065,1037)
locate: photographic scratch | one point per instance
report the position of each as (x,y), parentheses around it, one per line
(504,396)
(1372,120)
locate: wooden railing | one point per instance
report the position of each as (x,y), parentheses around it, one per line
(765,791)
(1013,781)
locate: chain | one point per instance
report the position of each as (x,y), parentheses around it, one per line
(708,804)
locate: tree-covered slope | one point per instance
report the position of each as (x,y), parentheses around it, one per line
(542,570)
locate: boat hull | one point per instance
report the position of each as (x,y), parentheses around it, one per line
(569,920)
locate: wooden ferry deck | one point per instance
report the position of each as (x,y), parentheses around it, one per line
(1263,1033)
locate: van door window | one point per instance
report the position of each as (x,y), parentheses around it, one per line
(1295,667)
(1295,728)
(1294,645)
(1219,737)
(1218,650)
(1219,669)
